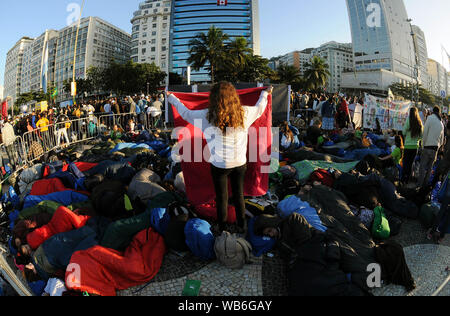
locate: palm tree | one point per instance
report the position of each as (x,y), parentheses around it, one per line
(208,48)
(287,74)
(237,51)
(316,73)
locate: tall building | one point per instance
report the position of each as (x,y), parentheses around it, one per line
(13,68)
(298,59)
(383,46)
(339,58)
(151,33)
(420,46)
(237,18)
(34,61)
(438,78)
(99,42)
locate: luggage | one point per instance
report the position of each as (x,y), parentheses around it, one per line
(174,236)
(231,251)
(259,206)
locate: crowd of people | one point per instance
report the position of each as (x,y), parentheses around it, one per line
(423,141)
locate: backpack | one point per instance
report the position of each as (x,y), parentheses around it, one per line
(179,214)
(231,251)
(380,227)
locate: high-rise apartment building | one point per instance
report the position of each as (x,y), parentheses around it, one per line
(339,58)
(420,46)
(438,78)
(34,60)
(98,43)
(237,18)
(13,68)
(151,33)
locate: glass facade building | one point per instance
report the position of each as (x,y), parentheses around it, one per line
(381,36)
(189,17)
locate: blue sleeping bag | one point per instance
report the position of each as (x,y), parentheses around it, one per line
(293,204)
(64,198)
(260,244)
(200,239)
(359,154)
(159,220)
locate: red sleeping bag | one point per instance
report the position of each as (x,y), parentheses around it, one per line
(63,220)
(82,166)
(209,212)
(197,175)
(103,271)
(322,176)
(48,186)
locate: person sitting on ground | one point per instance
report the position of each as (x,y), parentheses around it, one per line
(394,159)
(289,141)
(116,133)
(313,133)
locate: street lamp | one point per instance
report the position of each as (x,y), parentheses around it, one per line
(416,66)
(148,88)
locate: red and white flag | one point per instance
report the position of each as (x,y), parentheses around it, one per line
(222,2)
(5,109)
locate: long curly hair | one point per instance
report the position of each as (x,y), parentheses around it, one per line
(225,109)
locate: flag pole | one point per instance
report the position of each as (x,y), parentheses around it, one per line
(75,50)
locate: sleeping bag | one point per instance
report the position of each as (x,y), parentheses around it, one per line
(293,204)
(144,187)
(209,212)
(62,221)
(260,244)
(103,271)
(200,239)
(63,198)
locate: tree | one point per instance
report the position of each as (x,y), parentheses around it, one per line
(287,74)
(96,76)
(208,50)
(316,73)
(256,68)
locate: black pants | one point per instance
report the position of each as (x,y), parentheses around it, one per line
(220,179)
(408,160)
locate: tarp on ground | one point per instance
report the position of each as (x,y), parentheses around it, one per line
(197,175)
(306,167)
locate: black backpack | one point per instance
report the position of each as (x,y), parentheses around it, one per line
(180,214)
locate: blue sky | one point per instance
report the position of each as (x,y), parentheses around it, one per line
(286,25)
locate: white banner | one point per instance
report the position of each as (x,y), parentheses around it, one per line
(390,114)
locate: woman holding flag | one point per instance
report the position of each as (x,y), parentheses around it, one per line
(231,122)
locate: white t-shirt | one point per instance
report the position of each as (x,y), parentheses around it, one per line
(107,108)
(55,287)
(226,151)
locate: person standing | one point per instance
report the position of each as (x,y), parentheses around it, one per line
(63,124)
(42,125)
(328,113)
(231,122)
(444,164)
(433,139)
(9,138)
(413,132)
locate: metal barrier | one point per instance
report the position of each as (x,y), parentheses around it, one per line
(33,145)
